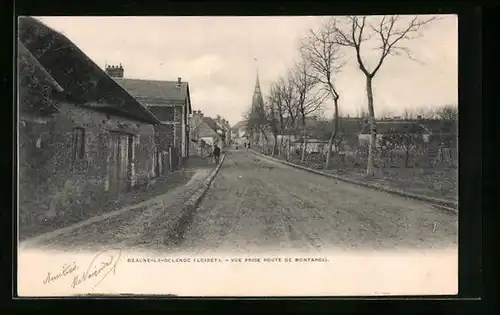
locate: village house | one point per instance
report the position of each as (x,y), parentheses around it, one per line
(238,133)
(387,126)
(224,129)
(82,138)
(318,132)
(170,101)
(203,132)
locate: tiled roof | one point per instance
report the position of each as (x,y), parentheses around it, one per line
(26,56)
(204,130)
(80,77)
(210,123)
(395,126)
(167,90)
(37,84)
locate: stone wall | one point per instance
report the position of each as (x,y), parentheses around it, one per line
(52,182)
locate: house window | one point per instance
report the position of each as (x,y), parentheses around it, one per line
(78,143)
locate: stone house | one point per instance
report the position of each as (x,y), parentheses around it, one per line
(82,138)
(170,101)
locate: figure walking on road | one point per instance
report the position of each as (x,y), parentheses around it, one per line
(216,154)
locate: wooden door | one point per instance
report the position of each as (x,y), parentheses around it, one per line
(113,163)
(119,163)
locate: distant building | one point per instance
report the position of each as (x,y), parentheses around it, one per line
(203,132)
(170,101)
(238,133)
(384,127)
(224,129)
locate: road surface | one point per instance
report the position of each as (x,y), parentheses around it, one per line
(258,204)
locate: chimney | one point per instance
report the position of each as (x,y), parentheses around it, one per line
(197,113)
(179,81)
(115,71)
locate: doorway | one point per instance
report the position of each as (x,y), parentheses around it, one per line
(120,162)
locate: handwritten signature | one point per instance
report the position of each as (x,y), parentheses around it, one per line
(103,264)
(65,270)
(99,268)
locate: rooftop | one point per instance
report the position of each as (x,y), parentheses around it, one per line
(395,126)
(76,73)
(167,90)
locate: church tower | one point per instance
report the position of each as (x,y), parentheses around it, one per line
(257,100)
(257,107)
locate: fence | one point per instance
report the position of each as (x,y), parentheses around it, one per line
(426,157)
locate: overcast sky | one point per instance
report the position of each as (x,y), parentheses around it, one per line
(215,55)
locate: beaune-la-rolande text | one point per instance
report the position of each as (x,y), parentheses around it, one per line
(235,259)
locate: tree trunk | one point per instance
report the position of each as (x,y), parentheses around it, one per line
(280,147)
(304,143)
(334,132)
(275,145)
(289,149)
(373,135)
(407,158)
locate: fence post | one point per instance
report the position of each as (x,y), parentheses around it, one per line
(170,158)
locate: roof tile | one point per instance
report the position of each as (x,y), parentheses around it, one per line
(167,90)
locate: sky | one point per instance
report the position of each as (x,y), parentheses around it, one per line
(216,56)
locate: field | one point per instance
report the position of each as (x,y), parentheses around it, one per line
(420,176)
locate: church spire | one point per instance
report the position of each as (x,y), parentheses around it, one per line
(257,83)
(257,94)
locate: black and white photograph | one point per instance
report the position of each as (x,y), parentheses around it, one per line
(237,155)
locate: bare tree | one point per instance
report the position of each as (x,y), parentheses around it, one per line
(361,112)
(390,33)
(384,114)
(447,112)
(426,112)
(410,113)
(289,109)
(322,52)
(274,109)
(386,148)
(407,141)
(308,99)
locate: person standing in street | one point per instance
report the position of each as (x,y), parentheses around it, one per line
(216,154)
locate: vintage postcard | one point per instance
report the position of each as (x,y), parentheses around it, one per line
(238,156)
